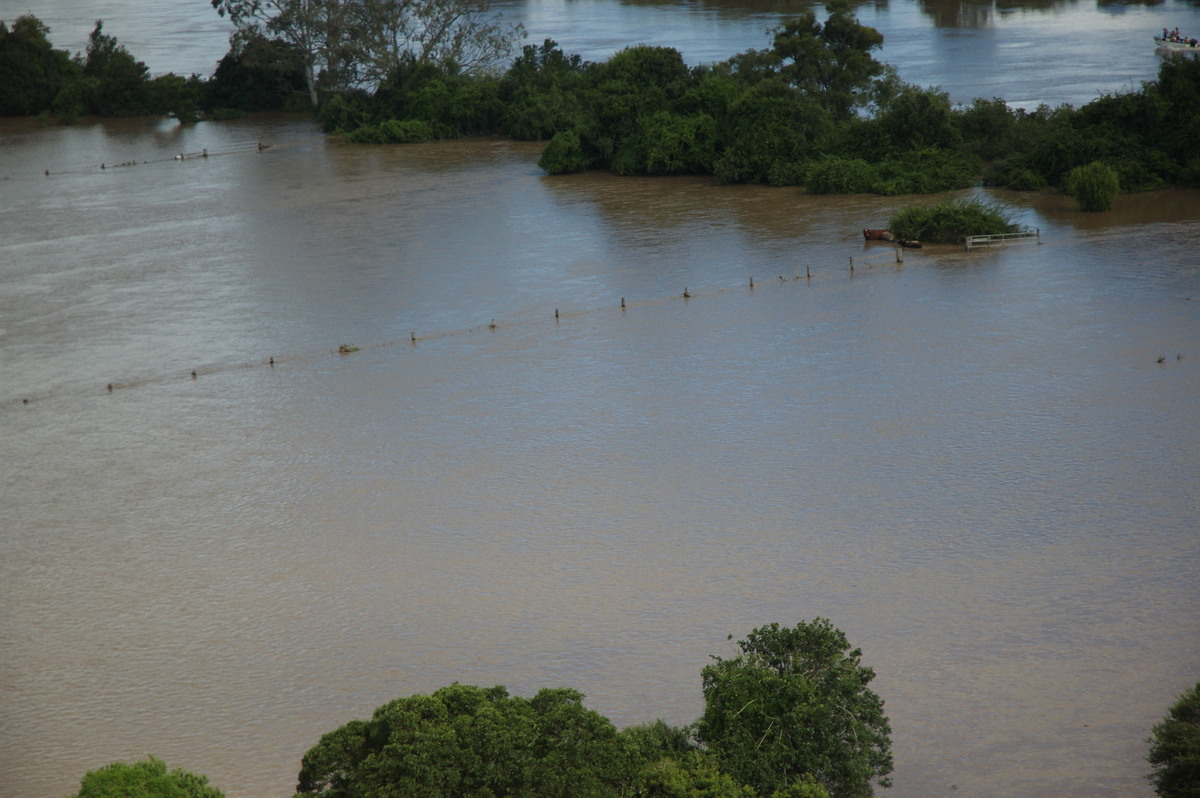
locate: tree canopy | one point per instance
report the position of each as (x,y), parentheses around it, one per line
(464,740)
(795,704)
(349,44)
(31,72)
(814,110)
(1175,749)
(148,779)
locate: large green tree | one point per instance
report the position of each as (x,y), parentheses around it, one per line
(830,62)
(148,779)
(464,740)
(31,71)
(1175,749)
(116,83)
(358,43)
(794,705)
(257,74)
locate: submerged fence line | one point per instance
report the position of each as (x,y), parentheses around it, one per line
(556,316)
(887,256)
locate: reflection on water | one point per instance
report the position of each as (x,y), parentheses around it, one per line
(971,462)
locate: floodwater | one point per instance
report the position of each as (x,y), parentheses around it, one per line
(973,463)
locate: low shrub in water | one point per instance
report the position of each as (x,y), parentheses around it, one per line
(950,222)
(1096,186)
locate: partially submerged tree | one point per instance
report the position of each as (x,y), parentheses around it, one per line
(1095,185)
(358,43)
(257,74)
(1175,749)
(830,62)
(466,740)
(116,82)
(794,707)
(31,71)
(148,779)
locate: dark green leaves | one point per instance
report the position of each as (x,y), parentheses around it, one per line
(795,703)
(471,741)
(1175,749)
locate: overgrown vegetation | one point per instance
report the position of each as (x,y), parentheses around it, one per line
(107,81)
(950,222)
(790,717)
(793,709)
(1095,185)
(814,109)
(1175,749)
(148,779)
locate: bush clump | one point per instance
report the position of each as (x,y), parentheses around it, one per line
(393,131)
(951,222)
(833,175)
(149,779)
(1096,186)
(564,154)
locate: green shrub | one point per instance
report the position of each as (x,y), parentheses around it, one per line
(925,171)
(1175,749)
(787,173)
(1095,185)
(673,144)
(225,114)
(985,126)
(833,175)
(564,153)
(768,125)
(393,131)
(343,113)
(694,775)
(149,779)
(950,222)
(1013,173)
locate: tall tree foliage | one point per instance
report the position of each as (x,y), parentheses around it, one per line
(31,72)
(117,83)
(359,43)
(794,704)
(464,740)
(148,779)
(257,74)
(1175,749)
(830,62)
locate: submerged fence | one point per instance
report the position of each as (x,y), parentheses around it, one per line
(1029,234)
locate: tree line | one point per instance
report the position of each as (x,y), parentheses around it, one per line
(107,81)
(791,715)
(814,109)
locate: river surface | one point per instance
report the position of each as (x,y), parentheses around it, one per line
(220,538)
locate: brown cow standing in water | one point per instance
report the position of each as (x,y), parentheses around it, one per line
(878,235)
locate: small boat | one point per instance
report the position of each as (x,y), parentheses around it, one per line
(1180,45)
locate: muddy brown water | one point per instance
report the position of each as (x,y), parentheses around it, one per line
(973,463)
